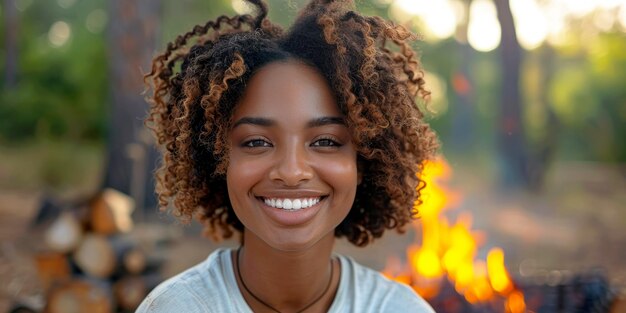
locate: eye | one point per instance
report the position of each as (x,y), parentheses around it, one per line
(256,143)
(326,142)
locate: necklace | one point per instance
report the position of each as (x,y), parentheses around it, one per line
(271,307)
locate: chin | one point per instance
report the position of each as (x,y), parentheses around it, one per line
(293,242)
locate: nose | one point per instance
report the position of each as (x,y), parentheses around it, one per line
(291,166)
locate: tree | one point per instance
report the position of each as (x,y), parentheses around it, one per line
(11,23)
(463,127)
(132,38)
(511,140)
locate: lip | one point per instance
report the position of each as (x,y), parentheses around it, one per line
(290,218)
(291,194)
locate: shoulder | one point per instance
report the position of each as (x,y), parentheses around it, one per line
(401,297)
(377,293)
(190,291)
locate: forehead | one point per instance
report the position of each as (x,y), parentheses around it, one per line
(287,89)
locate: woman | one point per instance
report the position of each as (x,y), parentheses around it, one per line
(291,139)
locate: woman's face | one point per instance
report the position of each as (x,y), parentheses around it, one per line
(292,173)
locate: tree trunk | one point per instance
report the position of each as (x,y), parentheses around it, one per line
(545,148)
(131,157)
(511,139)
(463,114)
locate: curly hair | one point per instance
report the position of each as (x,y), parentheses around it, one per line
(375,76)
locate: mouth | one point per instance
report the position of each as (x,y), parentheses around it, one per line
(291,204)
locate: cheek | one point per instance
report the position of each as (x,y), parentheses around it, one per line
(342,175)
(240,176)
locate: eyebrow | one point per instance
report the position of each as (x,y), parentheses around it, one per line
(260,121)
(317,122)
(326,120)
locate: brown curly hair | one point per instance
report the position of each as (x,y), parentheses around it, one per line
(376,87)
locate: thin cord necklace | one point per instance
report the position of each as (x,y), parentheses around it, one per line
(271,307)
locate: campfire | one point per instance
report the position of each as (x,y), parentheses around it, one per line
(445,252)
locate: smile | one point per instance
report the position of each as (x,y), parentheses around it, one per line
(291,204)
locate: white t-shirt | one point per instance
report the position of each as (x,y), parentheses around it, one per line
(211,287)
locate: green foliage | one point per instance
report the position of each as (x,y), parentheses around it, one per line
(61,91)
(588,95)
(573,99)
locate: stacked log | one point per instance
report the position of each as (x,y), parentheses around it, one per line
(91,262)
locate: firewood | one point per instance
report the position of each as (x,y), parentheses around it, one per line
(134,260)
(52,267)
(78,296)
(115,256)
(95,256)
(64,234)
(130,257)
(111,212)
(619,304)
(129,292)
(20,308)
(49,210)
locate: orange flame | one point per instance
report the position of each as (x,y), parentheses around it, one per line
(448,251)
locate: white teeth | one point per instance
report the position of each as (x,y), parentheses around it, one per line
(291,204)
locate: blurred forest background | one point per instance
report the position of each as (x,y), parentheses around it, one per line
(552,89)
(528,97)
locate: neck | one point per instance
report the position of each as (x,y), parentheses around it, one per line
(286,280)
